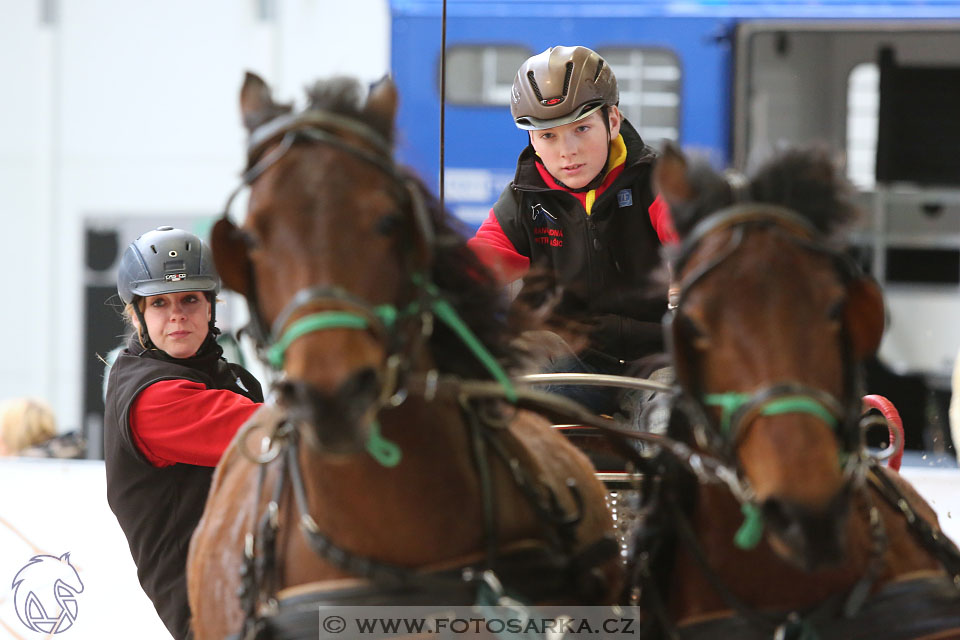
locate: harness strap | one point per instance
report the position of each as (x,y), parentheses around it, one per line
(939,545)
(320,322)
(478,449)
(731,402)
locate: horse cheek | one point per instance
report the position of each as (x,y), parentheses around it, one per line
(230,256)
(864,317)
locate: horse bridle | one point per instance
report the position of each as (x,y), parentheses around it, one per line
(342,309)
(741,409)
(738,410)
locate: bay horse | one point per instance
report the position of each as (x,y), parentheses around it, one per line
(775,523)
(393,470)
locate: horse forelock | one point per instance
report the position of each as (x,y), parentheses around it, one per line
(805,180)
(346,96)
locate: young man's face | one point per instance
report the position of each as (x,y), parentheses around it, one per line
(575,153)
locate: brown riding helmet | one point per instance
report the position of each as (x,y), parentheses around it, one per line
(560,86)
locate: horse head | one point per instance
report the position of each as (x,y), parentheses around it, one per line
(768,335)
(342,258)
(327,253)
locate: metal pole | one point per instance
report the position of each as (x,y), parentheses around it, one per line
(443,93)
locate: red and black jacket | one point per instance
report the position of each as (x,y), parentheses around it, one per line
(604,260)
(166,424)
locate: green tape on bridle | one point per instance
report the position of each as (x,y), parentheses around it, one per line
(385,452)
(749,534)
(751,531)
(449,316)
(731,401)
(321,321)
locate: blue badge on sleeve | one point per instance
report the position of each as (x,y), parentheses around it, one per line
(625,198)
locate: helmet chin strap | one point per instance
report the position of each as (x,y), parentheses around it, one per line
(214,329)
(142,329)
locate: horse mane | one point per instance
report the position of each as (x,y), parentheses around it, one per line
(456,271)
(805,180)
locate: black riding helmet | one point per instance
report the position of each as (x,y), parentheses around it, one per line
(167,260)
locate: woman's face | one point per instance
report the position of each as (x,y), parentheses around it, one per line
(177,322)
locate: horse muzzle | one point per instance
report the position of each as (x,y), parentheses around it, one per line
(809,538)
(337,422)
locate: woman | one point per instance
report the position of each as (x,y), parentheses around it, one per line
(173,405)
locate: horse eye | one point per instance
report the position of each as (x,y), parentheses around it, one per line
(389,224)
(249,240)
(835,312)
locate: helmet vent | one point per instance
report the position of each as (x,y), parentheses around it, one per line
(566,78)
(533,85)
(154,248)
(596,76)
(188,246)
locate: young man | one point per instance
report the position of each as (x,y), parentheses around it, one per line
(581,210)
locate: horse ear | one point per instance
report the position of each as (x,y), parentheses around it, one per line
(382,101)
(230,256)
(864,316)
(670,176)
(256,103)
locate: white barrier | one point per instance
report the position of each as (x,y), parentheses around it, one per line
(52,507)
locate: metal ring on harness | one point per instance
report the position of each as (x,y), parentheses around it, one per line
(274,442)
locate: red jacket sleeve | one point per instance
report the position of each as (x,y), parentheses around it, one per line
(497,253)
(182,421)
(662,221)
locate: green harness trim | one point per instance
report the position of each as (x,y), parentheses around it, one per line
(321,321)
(731,401)
(751,531)
(385,452)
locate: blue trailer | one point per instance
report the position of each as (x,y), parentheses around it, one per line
(735,81)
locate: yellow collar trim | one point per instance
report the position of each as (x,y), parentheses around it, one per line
(618,155)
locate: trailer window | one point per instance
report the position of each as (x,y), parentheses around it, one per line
(649,82)
(863,108)
(483,74)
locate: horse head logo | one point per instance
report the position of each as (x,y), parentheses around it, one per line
(45,593)
(537,210)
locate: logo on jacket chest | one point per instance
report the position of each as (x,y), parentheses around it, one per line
(546,231)
(625,198)
(539,213)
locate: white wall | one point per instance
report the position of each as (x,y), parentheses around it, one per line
(120,108)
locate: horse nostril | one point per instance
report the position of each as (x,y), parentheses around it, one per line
(775,514)
(364,383)
(287,390)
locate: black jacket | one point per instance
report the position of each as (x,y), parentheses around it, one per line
(158,508)
(603,261)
